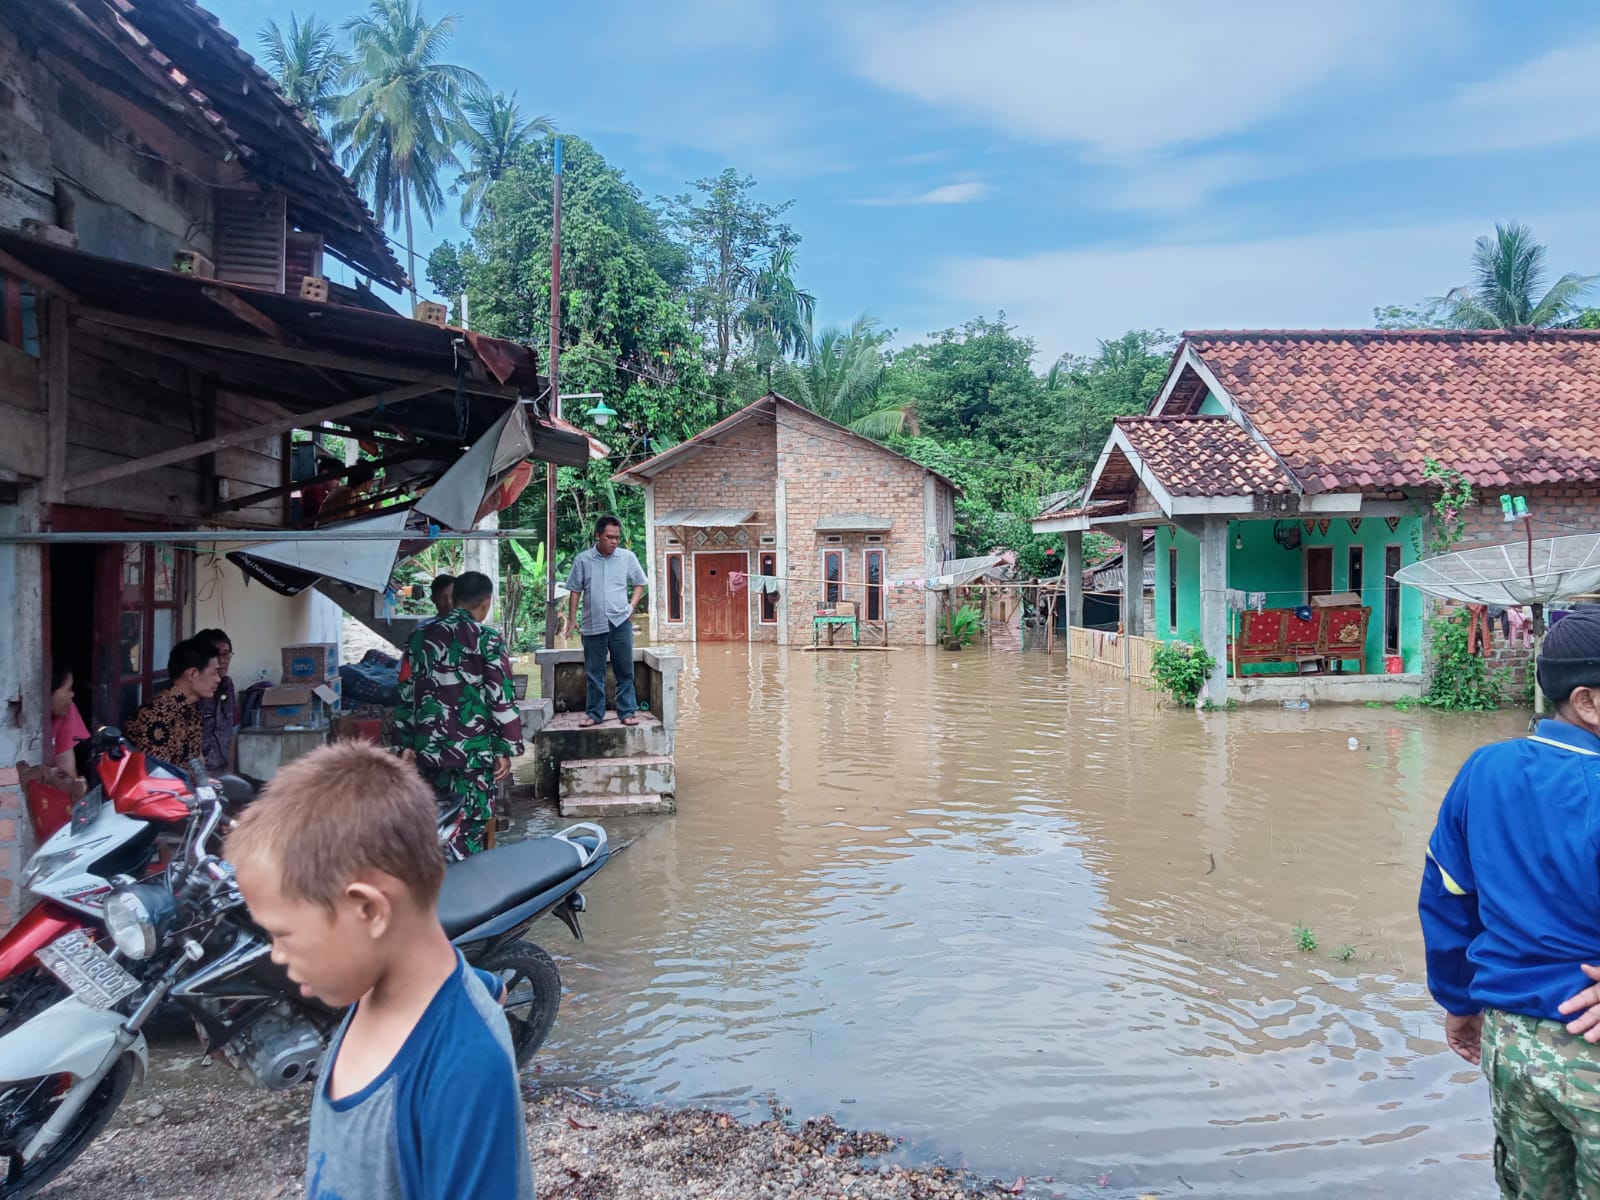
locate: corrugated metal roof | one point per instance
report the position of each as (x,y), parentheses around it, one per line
(706,518)
(854,523)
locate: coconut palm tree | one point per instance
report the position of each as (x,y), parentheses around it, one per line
(402,121)
(495,131)
(777,312)
(1509,271)
(309,64)
(840,377)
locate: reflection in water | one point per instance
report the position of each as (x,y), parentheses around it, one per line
(1039,924)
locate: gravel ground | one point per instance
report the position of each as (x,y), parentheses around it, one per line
(200,1133)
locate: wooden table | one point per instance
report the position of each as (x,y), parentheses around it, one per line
(832,623)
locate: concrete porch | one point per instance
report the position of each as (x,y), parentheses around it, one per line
(1325,688)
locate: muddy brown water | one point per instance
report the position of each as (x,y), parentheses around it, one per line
(1039,925)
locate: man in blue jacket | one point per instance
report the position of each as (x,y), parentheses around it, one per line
(1510,910)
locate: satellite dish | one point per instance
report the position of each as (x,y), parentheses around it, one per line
(1535,572)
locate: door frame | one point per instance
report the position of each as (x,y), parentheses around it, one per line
(694,593)
(1305,570)
(882,584)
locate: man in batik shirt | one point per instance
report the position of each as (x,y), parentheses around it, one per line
(457,714)
(169,727)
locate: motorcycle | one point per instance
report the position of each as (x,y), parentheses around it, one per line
(115,832)
(102,844)
(187,937)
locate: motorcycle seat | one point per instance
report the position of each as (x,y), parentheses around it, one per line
(490,883)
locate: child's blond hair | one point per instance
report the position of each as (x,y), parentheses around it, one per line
(342,812)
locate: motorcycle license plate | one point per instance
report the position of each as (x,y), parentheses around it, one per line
(92,974)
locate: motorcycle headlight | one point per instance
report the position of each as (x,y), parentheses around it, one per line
(139,917)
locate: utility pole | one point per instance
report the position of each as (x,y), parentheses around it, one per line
(555,409)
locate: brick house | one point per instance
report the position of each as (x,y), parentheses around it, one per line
(1291,464)
(777,491)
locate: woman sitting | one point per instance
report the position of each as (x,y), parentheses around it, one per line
(66,723)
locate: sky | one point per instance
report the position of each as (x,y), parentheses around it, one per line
(1084,166)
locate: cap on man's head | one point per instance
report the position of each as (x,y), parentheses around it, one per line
(1570,658)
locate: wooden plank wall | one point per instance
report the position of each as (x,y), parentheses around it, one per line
(22,425)
(126,404)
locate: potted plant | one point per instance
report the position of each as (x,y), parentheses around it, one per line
(961,626)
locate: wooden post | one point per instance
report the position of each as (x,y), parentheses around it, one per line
(56,398)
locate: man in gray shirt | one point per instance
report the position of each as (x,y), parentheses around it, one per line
(602,575)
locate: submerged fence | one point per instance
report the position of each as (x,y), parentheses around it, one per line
(1134,657)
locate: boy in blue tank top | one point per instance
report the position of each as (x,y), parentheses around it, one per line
(418,1098)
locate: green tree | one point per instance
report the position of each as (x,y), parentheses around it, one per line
(841,377)
(1426,315)
(778,313)
(625,329)
(974,382)
(403,119)
(1507,290)
(1086,395)
(308,63)
(494,132)
(731,237)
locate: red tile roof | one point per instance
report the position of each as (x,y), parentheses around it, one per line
(1363,409)
(1204,456)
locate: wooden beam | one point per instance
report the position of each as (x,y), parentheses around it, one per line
(56,399)
(248,313)
(328,477)
(302,355)
(15,266)
(254,434)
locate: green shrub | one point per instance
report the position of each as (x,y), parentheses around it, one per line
(1461,681)
(962,625)
(1181,669)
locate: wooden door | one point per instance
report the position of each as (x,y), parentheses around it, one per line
(1319,571)
(720,614)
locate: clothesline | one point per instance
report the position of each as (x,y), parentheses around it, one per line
(749,577)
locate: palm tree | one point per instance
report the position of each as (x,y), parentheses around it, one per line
(1510,272)
(403,120)
(495,131)
(308,62)
(840,378)
(777,312)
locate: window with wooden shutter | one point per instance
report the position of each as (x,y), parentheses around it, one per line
(251,232)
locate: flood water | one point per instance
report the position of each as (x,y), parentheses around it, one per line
(1038,925)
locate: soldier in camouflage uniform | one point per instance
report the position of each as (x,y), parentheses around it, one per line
(1510,909)
(457,714)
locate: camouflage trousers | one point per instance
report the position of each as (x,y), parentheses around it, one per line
(478,789)
(1545,1097)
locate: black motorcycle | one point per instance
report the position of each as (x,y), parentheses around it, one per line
(187,937)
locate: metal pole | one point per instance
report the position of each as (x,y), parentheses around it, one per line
(253,537)
(555,410)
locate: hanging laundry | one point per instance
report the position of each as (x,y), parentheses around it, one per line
(1478,629)
(1521,633)
(1258,601)
(736,581)
(1237,600)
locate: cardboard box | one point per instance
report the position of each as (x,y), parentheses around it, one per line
(287,705)
(310,662)
(304,705)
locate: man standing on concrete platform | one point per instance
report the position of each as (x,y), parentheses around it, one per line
(458,716)
(602,575)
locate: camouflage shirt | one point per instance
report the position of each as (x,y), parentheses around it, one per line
(457,708)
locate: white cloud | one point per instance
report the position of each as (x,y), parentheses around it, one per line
(1125,77)
(1067,299)
(1542,102)
(950,193)
(1175,184)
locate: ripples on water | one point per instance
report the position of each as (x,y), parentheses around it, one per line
(1038,924)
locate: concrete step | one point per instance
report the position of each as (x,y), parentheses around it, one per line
(632,775)
(562,739)
(616,806)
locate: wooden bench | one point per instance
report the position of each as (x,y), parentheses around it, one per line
(1278,635)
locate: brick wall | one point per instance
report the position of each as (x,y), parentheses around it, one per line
(740,471)
(828,471)
(1557,510)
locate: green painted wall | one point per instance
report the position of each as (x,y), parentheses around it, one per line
(1261,565)
(1212,407)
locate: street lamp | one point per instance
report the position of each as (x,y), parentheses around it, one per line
(602,413)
